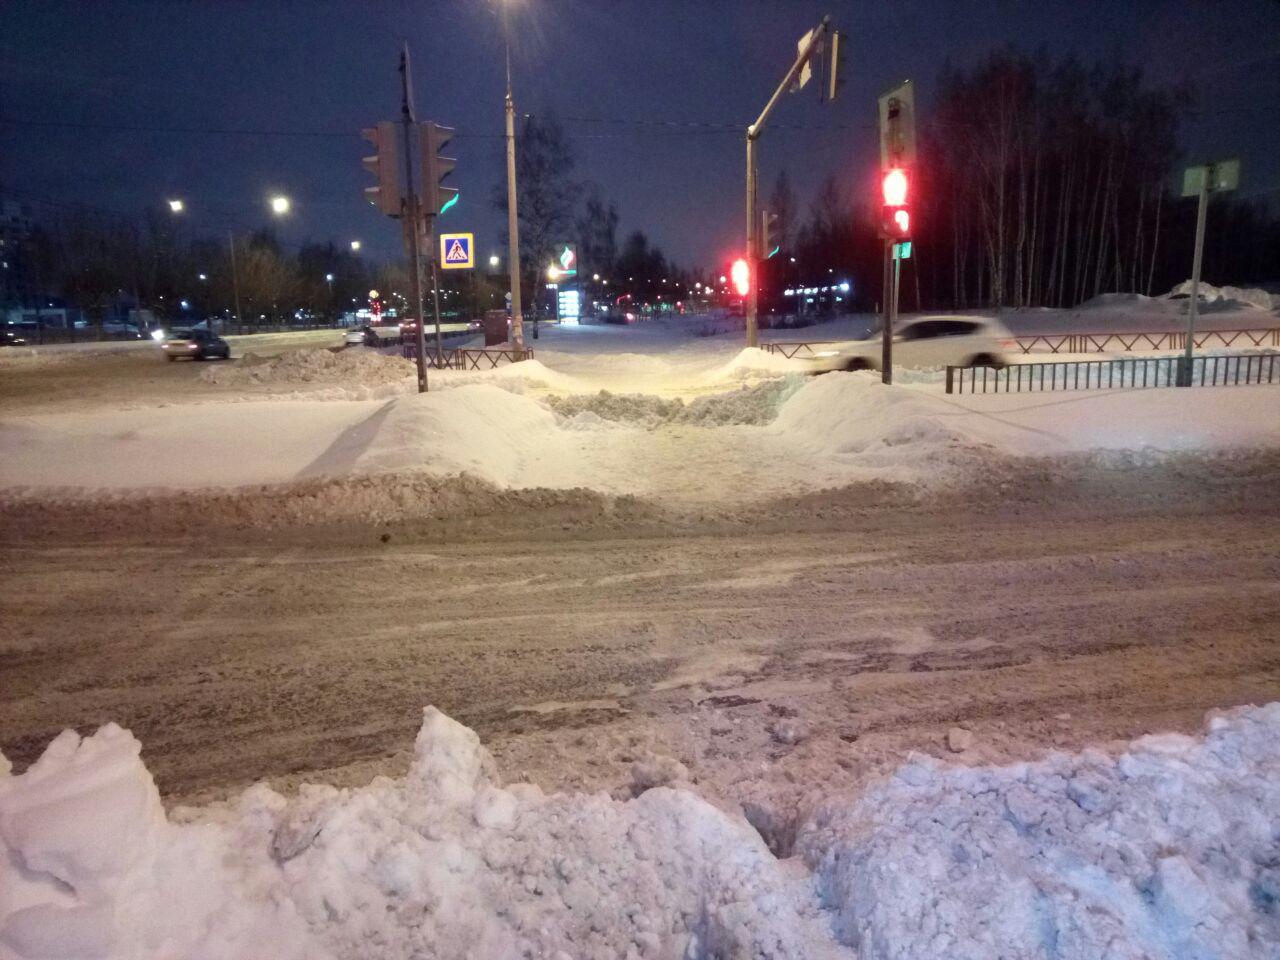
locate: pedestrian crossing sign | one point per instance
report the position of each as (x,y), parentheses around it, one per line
(457,251)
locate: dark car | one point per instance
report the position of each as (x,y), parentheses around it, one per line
(196,344)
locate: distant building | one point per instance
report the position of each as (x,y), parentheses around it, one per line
(15,233)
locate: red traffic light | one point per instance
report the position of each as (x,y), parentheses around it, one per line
(895,216)
(895,188)
(740,272)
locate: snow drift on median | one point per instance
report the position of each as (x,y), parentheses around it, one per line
(1168,850)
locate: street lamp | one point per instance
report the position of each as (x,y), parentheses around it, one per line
(279,205)
(202,276)
(493,262)
(176,206)
(355,246)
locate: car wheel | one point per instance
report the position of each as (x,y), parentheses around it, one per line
(858,363)
(986,360)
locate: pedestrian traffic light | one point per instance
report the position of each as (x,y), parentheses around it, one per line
(740,272)
(386,195)
(435,196)
(895,217)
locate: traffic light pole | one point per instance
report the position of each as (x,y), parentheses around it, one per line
(890,314)
(513,217)
(414,215)
(753,133)
(753,241)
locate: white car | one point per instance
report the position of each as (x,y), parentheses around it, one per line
(923,342)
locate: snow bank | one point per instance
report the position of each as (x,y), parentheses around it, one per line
(755,404)
(852,415)
(1167,850)
(445,863)
(355,367)
(1229,296)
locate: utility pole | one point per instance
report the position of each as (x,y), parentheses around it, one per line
(414,217)
(796,77)
(235,279)
(513,217)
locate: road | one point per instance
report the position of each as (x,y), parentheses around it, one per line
(1054,614)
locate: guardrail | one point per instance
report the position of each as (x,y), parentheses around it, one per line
(1087,342)
(1121,373)
(463,358)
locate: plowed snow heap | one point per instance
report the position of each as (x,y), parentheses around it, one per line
(351,367)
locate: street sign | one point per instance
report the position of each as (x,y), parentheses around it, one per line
(902,251)
(898,127)
(457,251)
(1223,175)
(566,260)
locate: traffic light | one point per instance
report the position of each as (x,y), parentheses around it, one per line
(767,222)
(834,64)
(740,273)
(386,195)
(895,215)
(436,198)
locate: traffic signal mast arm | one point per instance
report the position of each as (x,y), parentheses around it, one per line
(806,52)
(811,45)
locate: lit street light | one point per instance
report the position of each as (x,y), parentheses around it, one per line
(279,205)
(355,246)
(176,206)
(493,262)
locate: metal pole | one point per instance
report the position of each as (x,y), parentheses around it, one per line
(753,258)
(1185,379)
(513,216)
(435,296)
(886,330)
(415,219)
(235,279)
(753,133)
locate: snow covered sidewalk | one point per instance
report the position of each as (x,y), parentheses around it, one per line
(1168,850)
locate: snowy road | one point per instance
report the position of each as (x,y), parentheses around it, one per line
(1072,613)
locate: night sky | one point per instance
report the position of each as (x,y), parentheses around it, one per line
(318,71)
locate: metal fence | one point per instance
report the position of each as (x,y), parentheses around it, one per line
(1121,373)
(1086,342)
(468,359)
(1129,342)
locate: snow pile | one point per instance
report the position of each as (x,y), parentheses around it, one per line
(755,405)
(753,362)
(480,429)
(355,367)
(852,414)
(1169,850)
(1229,296)
(444,863)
